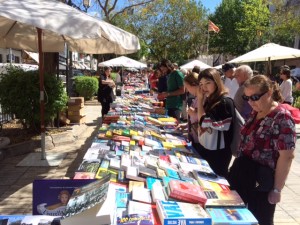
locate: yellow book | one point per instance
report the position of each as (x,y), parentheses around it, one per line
(101,173)
(133,133)
(154,134)
(135,184)
(132,142)
(168,145)
(168,119)
(109,134)
(155,121)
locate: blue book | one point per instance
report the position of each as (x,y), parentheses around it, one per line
(150,181)
(171,212)
(232,216)
(122,199)
(172,174)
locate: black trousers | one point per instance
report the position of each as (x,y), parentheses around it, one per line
(261,208)
(105,108)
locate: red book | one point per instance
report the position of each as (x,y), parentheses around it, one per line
(191,192)
(120,138)
(165,158)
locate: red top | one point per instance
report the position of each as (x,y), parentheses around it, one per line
(262,139)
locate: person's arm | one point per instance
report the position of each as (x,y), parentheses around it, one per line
(282,170)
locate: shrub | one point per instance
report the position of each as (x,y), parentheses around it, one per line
(20,94)
(86,86)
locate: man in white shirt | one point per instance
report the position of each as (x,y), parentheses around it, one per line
(229,81)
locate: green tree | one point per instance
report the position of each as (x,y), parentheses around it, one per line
(170,29)
(285,22)
(241,24)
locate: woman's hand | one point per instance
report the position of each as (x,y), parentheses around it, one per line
(274,197)
(200,94)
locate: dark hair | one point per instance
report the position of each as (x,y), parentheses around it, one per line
(227,66)
(107,68)
(196,69)
(167,63)
(214,75)
(192,79)
(265,84)
(286,71)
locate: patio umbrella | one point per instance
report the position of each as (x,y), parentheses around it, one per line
(46,25)
(268,52)
(60,24)
(193,63)
(124,62)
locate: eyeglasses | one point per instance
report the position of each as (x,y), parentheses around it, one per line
(253,98)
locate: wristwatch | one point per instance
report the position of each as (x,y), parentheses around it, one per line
(275,190)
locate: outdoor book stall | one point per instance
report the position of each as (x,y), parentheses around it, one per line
(141,170)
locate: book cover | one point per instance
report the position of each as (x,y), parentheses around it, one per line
(141,194)
(121,177)
(50,197)
(89,166)
(85,203)
(150,181)
(207,176)
(187,191)
(219,199)
(133,174)
(231,216)
(122,199)
(133,184)
(39,220)
(139,208)
(157,192)
(147,172)
(171,212)
(84,175)
(11,219)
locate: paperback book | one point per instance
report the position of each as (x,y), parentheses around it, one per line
(171,212)
(232,216)
(50,197)
(86,202)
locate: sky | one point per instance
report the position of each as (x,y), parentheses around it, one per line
(211,4)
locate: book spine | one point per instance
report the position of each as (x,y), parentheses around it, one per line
(187,221)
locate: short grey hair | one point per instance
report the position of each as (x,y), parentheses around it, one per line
(246,70)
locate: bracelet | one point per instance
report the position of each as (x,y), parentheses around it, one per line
(275,190)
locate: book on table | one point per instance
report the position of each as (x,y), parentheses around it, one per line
(231,216)
(50,196)
(86,202)
(187,192)
(172,212)
(218,199)
(28,219)
(137,214)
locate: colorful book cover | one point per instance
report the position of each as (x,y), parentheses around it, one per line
(122,199)
(85,203)
(84,175)
(50,197)
(187,191)
(171,212)
(89,166)
(231,216)
(223,199)
(150,181)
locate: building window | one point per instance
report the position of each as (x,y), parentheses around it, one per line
(1,59)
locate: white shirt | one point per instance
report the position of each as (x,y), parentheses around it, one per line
(286,88)
(232,86)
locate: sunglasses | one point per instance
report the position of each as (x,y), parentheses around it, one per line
(253,98)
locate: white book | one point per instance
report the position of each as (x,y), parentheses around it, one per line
(139,208)
(125,161)
(115,163)
(157,192)
(141,194)
(132,173)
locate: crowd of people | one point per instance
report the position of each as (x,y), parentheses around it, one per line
(207,100)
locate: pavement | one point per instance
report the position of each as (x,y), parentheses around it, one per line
(16,181)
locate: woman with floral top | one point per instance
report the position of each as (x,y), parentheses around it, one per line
(267,143)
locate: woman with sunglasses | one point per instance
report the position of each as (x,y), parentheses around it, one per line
(267,143)
(215,112)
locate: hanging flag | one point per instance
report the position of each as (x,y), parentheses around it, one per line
(213,27)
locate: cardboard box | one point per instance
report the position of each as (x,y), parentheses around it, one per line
(76,101)
(79,112)
(77,119)
(75,107)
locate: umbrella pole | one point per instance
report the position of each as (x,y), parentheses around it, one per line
(42,103)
